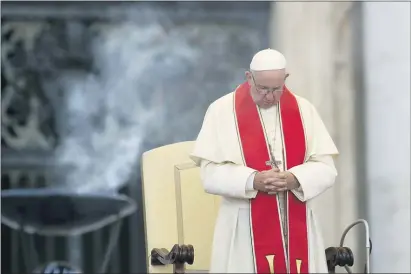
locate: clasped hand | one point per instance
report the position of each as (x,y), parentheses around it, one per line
(271,181)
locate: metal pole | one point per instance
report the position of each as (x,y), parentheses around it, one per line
(367,243)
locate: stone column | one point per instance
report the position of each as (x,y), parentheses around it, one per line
(316,40)
(387,97)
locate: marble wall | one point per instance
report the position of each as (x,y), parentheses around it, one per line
(387,83)
(316,39)
(352,61)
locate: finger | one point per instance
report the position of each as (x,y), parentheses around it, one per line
(274,170)
(275,188)
(281,176)
(272,174)
(274,181)
(282,189)
(270,188)
(274,177)
(273,192)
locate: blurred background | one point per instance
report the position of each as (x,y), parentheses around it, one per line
(87,87)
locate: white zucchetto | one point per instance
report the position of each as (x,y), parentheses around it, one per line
(268,59)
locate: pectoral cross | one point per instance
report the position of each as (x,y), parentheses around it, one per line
(272,162)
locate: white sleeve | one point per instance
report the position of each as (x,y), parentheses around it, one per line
(250,182)
(315,176)
(318,172)
(228,179)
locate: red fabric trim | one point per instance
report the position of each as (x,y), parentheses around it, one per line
(265,218)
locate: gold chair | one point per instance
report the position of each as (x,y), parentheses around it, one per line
(178,213)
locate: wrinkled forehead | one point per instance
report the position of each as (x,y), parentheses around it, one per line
(269,76)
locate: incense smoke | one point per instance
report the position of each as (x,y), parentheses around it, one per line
(110,112)
(150,85)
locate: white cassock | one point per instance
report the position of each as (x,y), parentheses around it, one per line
(217,151)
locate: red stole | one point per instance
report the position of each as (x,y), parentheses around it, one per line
(268,246)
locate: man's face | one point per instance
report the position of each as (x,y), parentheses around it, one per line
(266,87)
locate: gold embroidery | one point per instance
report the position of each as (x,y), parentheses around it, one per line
(270,259)
(298,264)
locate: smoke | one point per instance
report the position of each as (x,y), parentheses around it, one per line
(152,86)
(109,113)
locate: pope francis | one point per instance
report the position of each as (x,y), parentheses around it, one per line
(267,153)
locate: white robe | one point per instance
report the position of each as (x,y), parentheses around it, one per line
(223,173)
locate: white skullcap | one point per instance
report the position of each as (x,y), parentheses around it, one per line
(268,59)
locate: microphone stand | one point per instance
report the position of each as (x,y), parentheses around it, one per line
(368,243)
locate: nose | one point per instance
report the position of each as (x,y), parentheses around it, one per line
(270,96)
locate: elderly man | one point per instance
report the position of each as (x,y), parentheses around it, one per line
(267,153)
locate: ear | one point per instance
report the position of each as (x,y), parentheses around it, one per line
(248,77)
(286,75)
